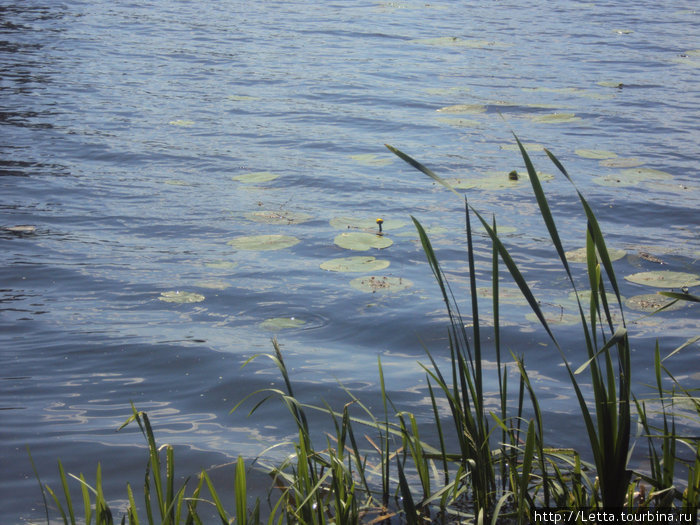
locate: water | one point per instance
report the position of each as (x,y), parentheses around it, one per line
(124,125)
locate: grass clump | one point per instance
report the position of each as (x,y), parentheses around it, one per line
(480,465)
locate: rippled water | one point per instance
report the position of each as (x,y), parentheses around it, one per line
(124,127)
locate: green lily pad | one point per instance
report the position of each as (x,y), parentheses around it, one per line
(176,296)
(595,154)
(644,174)
(585,296)
(355,264)
(256,177)
(632,177)
(370,159)
(622,162)
(610,84)
(579,255)
(667,186)
(462,109)
(496,180)
(361,241)
(278,217)
(221,265)
(375,284)
(213,284)
(664,279)
(459,122)
(556,118)
(263,242)
(651,302)
(506,295)
(280,323)
(615,181)
(181,123)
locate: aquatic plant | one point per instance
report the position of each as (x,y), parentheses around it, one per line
(480,465)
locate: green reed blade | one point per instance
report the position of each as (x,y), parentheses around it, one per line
(241,493)
(131,510)
(422,168)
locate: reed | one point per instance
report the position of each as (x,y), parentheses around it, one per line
(371,468)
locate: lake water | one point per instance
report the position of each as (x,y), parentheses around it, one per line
(133,136)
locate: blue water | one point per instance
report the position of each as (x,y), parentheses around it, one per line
(124,125)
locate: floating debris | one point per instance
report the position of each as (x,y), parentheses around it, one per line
(21,229)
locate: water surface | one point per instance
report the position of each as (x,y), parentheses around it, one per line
(125,126)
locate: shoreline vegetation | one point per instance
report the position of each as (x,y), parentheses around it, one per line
(481,465)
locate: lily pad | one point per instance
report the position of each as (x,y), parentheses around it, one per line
(263,242)
(181,123)
(375,284)
(556,118)
(615,181)
(651,302)
(496,180)
(221,265)
(595,154)
(361,241)
(177,182)
(621,162)
(212,284)
(505,295)
(280,323)
(459,122)
(278,217)
(370,159)
(355,264)
(643,174)
(462,109)
(256,177)
(611,84)
(585,296)
(579,255)
(176,296)
(664,279)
